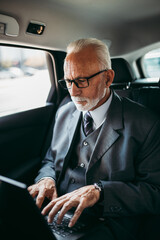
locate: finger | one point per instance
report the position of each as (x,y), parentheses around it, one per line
(67,196)
(55,210)
(76,215)
(54,195)
(40,198)
(49,206)
(32,191)
(30,188)
(66,207)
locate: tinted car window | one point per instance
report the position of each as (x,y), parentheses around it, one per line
(151,63)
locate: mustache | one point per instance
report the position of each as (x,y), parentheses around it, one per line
(79,99)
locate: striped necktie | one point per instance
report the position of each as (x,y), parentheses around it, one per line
(88,123)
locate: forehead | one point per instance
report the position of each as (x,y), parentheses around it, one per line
(82,62)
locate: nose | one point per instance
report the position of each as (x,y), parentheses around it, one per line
(74,90)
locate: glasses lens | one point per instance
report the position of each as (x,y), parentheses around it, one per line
(81,83)
(68,83)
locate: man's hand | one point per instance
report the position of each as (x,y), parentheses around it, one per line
(81,198)
(45,188)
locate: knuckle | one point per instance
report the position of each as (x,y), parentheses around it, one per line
(31,187)
(45,189)
(58,205)
(67,204)
(40,197)
(83,200)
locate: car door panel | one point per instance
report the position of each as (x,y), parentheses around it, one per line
(22,138)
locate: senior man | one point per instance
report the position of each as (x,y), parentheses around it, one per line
(105,150)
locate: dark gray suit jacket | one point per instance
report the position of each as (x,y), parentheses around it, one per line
(126,157)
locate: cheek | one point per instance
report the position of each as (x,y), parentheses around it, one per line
(94,91)
(99,89)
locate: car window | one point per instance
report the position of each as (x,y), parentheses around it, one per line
(151,63)
(24,79)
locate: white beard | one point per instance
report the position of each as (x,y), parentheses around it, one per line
(91,103)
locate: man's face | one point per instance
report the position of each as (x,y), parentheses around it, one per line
(85,64)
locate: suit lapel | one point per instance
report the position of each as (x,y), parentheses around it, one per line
(73,124)
(73,128)
(109,131)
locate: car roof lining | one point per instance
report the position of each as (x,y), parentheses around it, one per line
(125,23)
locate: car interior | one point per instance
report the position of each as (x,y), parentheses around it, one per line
(34,35)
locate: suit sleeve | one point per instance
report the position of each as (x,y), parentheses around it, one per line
(47,169)
(59,145)
(143,195)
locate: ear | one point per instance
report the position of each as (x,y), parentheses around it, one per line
(109,77)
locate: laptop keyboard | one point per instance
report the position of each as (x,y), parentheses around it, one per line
(63,229)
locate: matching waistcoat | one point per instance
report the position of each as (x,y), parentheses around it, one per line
(74,176)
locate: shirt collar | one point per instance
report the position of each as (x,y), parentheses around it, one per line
(99,114)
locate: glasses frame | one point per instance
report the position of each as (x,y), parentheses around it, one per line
(61,81)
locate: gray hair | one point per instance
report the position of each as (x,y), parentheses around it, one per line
(100,47)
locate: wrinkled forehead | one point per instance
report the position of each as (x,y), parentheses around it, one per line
(84,61)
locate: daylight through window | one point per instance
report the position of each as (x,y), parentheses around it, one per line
(24,79)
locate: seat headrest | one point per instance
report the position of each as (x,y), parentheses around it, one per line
(123,71)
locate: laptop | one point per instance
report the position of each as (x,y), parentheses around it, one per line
(20,218)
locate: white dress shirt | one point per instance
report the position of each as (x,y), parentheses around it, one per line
(99,114)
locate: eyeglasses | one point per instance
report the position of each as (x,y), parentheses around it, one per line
(80,82)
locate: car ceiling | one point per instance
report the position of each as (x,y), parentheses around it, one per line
(124,24)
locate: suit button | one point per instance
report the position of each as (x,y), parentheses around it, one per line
(85,143)
(82,165)
(72,180)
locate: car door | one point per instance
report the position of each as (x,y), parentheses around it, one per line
(25,134)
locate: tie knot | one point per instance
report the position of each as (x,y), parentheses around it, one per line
(88,123)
